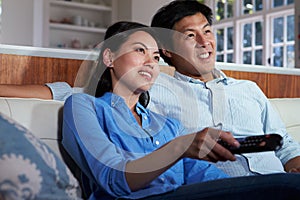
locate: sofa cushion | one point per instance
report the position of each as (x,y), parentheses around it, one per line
(29,168)
(289,109)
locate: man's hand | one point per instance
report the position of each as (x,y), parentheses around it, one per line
(204,145)
(293,165)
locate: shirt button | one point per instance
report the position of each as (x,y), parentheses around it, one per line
(145,117)
(157,142)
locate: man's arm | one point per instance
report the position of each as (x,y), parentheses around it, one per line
(25,91)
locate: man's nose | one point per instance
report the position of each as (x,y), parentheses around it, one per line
(202,41)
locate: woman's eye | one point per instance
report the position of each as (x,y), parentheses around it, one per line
(140,50)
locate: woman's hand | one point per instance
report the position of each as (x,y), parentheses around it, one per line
(203,145)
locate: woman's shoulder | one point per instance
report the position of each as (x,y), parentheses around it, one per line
(79,96)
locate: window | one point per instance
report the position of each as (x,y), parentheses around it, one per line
(257,32)
(224,39)
(282,44)
(251,48)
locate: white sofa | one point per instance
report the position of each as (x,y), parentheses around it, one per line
(44,117)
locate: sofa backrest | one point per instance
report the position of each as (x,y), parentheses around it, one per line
(289,109)
(44,117)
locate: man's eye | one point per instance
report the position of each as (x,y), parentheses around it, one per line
(190,36)
(156,58)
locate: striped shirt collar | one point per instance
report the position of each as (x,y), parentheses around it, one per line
(218,75)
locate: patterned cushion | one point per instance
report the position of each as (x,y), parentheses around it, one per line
(29,169)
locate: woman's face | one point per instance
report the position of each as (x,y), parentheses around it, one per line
(135,65)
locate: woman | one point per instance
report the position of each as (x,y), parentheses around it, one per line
(123,149)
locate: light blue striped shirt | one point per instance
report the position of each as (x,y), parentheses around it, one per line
(238,106)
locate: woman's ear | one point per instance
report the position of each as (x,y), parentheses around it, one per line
(107,57)
(166,53)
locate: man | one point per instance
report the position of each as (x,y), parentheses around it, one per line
(201,96)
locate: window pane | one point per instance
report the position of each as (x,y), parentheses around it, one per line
(230,38)
(248,6)
(278,56)
(258,5)
(290,56)
(277,3)
(247,35)
(220,40)
(220,9)
(220,58)
(290,1)
(247,57)
(258,57)
(278,30)
(290,28)
(230,58)
(230,8)
(258,33)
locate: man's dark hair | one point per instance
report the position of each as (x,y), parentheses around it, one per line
(168,15)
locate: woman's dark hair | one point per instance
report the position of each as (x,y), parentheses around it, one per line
(168,15)
(115,36)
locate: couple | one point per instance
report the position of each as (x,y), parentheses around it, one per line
(127,151)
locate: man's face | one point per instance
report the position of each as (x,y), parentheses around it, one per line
(194,49)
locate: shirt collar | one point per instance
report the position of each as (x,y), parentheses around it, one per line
(116,99)
(218,75)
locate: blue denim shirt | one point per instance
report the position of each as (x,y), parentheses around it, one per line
(238,106)
(102,135)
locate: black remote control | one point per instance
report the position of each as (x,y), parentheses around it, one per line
(258,143)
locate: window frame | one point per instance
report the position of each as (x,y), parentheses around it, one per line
(239,18)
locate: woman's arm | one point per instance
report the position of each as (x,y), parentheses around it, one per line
(201,145)
(25,91)
(88,144)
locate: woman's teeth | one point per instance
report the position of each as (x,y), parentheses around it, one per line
(145,74)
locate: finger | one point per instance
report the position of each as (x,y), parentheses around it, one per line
(294,170)
(227,137)
(223,153)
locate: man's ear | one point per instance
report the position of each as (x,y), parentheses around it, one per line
(107,57)
(166,53)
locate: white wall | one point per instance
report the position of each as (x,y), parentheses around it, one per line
(138,10)
(297,33)
(17,26)
(22,20)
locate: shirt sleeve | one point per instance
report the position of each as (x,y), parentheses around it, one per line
(199,170)
(86,142)
(62,90)
(274,124)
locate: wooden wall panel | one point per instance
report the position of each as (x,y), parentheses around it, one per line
(283,86)
(273,85)
(18,69)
